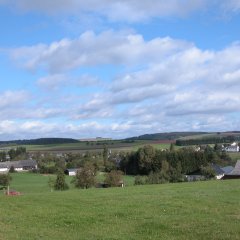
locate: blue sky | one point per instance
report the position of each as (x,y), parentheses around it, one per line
(110,68)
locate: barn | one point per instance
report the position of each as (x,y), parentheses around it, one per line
(235,173)
(19,166)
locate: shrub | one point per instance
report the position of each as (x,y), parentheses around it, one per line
(139,180)
(60,183)
(12,169)
(114,178)
(5,180)
(157,177)
(208,172)
(85,177)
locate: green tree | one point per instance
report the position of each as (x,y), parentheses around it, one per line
(146,157)
(60,164)
(14,153)
(114,178)
(172,147)
(51,183)
(155,178)
(105,155)
(161,176)
(3,156)
(176,173)
(208,172)
(85,177)
(60,183)
(5,181)
(140,180)
(12,169)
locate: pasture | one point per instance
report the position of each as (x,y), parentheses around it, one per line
(198,210)
(82,147)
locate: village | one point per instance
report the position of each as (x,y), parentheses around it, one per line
(70,164)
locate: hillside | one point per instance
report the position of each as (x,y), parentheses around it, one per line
(210,138)
(39,141)
(199,210)
(166,136)
(190,138)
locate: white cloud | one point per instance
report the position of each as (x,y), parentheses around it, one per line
(9,99)
(123,10)
(175,73)
(87,80)
(52,82)
(58,81)
(163,84)
(128,10)
(90,50)
(231,5)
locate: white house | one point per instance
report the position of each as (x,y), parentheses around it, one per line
(232,148)
(3,169)
(218,171)
(71,171)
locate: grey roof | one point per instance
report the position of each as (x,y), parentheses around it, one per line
(227,169)
(18,164)
(217,169)
(236,170)
(72,169)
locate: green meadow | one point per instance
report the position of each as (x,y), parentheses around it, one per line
(82,147)
(198,210)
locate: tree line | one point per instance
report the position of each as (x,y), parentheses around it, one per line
(169,166)
(40,141)
(207,140)
(13,153)
(86,177)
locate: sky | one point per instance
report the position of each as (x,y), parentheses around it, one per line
(111,68)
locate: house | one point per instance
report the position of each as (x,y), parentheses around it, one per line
(235,173)
(23,165)
(232,148)
(198,176)
(3,168)
(218,171)
(71,171)
(227,169)
(195,176)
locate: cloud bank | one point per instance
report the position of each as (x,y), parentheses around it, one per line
(164,84)
(124,10)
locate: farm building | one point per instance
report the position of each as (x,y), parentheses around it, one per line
(195,176)
(227,169)
(71,171)
(23,165)
(235,173)
(232,148)
(219,173)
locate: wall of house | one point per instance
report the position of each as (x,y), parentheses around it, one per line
(72,173)
(2,170)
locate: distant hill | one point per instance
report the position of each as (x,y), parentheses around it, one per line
(210,138)
(39,141)
(186,136)
(166,136)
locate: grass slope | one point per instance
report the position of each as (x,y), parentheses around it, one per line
(200,210)
(82,147)
(210,135)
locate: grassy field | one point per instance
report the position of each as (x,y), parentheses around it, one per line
(200,210)
(210,135)
(234,155)
(82,147)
